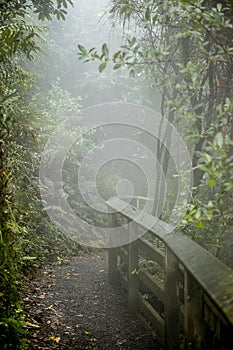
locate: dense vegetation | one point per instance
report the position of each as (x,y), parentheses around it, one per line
(182,49)
(185,50)
(27,238)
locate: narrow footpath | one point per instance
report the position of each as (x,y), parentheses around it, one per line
(73,307)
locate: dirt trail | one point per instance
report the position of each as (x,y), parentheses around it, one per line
(73,307)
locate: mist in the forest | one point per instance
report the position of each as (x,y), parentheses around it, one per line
(89,23)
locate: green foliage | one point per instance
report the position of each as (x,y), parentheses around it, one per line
(45,9)
(18,39)
(44,243)
(185,50)
(27,238)
(211,211)
(12,334)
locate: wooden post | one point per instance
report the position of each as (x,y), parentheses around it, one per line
(172,327)
(113,273)
(132,271)
(193,317)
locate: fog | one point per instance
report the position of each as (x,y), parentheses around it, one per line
(134,170)
(88,23)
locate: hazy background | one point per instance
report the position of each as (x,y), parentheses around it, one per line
(88,23)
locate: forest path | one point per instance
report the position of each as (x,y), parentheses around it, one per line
(74,307)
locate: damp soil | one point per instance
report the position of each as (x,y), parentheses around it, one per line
(73,307)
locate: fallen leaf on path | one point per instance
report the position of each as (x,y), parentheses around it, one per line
(42,296)
(56,339)
(32,325)
(121,342)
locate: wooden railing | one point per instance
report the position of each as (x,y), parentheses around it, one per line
(180,288)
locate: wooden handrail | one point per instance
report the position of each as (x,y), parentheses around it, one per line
(192,301)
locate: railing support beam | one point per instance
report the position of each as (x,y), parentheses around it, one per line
(194,316)
(172,328)
(132,271)
(113,273)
